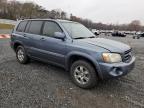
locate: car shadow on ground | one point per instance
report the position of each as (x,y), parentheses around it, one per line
(102,84)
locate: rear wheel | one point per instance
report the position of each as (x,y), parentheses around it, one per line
(21,55)
(83,74)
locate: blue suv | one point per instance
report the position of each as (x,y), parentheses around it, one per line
(72,46)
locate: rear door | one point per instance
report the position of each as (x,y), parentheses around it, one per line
(32,32)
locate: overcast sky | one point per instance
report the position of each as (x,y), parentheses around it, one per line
(106,11)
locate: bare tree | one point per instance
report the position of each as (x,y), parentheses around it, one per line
(63,15)
(15,9)
(135,25)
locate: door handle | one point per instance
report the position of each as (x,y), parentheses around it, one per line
(42,39)
(25,35)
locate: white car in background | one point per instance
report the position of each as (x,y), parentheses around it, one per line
(96,32)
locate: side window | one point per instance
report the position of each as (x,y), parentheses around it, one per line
(35,27)
(50,28)
(21,26)
(27,27)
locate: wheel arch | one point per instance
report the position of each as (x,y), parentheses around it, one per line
(16,44)
(82,56)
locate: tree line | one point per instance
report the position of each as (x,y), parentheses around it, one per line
(17,10)
(135,25)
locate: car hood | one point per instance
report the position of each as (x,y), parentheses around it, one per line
(108,44)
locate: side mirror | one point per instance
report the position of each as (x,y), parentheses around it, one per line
(59,35)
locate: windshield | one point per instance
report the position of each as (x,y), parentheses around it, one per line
(77,31)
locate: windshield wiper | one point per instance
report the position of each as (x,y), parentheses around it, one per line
(92,37)
(80,37)
(85,37)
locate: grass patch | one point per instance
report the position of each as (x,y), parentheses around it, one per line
(6,26)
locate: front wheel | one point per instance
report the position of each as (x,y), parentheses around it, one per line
(21,55)
(83,74)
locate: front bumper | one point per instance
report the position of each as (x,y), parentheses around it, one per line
(115,70)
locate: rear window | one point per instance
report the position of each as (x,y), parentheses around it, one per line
(21,26)
(35,27)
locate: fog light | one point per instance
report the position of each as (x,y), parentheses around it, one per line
(116,71)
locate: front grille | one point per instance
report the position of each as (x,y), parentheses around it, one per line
(127,56)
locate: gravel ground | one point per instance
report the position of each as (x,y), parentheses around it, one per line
(40,85)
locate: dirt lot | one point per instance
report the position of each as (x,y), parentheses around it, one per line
(39,85)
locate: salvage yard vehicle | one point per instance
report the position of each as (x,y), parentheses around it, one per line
(96,32)
(142,34)
(138,36)
(72,46)
(119,34)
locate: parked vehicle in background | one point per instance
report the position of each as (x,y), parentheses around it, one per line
(119,34)
(138,35)
(72,46)
(142,34)
(96,32)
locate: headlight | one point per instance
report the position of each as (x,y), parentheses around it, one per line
(112,57)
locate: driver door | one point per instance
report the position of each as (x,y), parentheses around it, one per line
(52,49)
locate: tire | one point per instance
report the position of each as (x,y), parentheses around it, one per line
(21,55)
(138,37)
(89,72)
